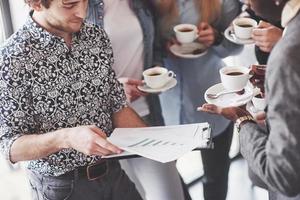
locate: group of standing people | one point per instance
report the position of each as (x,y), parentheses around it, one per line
(272,152)
(66,84)
(145,44)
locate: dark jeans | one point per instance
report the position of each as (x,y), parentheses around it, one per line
(216,166)
(115,185)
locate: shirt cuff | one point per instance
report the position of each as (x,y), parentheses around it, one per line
(7,147)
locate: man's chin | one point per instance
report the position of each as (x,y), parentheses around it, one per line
(74,29)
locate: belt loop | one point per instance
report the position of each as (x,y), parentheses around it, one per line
(97,170)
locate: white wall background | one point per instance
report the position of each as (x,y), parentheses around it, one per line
(19,13)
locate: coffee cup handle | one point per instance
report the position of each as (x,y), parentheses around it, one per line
(251,72)
(171,74)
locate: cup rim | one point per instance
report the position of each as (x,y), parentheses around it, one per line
(165,70)
(178,26)
(252,21)
(244,70)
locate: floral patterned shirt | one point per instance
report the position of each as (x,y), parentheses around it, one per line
(45,86)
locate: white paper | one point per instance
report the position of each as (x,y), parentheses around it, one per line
(164,143)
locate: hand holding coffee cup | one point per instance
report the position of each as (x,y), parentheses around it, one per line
(234,78)
(207,34)
(266,36)
(243,27)
(157,77)
(186,33)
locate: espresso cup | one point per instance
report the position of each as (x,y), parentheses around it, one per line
(234,78)
(259,102)
(243,27)
(259,70)
(157,77)
(258,76)
(186,33)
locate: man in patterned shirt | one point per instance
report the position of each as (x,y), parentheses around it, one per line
(59,101)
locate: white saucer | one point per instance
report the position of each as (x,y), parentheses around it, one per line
(144,88)
(230,35)
(186,50)
(228,100)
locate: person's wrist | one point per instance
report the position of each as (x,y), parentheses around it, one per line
(242,120)
(63,138)
(219,37)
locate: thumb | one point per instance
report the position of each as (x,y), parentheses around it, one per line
(98,131)
(203,26)
(263,24)
(261,116)
(134,82)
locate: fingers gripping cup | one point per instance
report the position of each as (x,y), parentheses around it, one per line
(157,77)
(234,78)
(186,33)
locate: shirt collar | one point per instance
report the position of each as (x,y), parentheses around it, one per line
(290,10)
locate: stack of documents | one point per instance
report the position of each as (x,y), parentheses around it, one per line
(162,143)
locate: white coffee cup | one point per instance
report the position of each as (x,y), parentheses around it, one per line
(259,103)
(234,78)
(186,33)
(157,77)
(243,27)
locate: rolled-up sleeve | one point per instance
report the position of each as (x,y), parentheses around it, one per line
(117,94)
(16,117)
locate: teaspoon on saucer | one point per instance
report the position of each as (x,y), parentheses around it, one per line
(232,34)
(215,96)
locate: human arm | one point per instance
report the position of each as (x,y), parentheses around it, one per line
(264,158)
(89,140)
(21,138)
(274,155)
(266,36)
(130,88)
(126,118)
(275,158)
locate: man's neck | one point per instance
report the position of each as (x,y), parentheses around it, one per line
(43,22)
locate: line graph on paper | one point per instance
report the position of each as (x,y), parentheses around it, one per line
(163,144)
(147,142)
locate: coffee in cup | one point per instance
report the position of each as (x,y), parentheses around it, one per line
(157,77)
(234,78)
(186,33)
(243,27)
